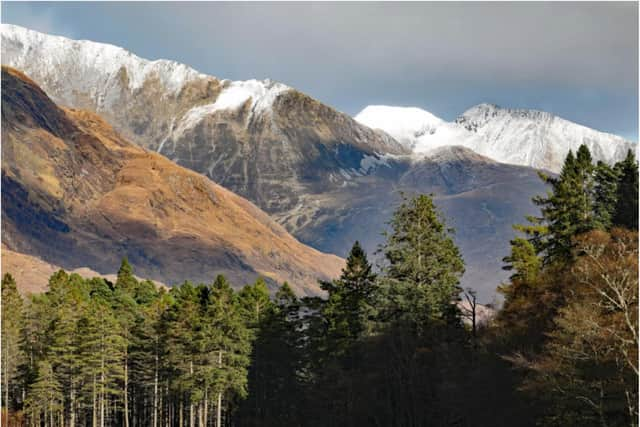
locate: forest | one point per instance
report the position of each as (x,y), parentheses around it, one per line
(388,345)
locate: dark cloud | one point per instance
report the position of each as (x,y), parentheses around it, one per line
(578,60)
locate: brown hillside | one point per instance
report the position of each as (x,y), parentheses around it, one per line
(76,194)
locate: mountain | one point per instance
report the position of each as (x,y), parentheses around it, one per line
(326,178)
(77,194)
(515,136)
(480,198)
(262,139)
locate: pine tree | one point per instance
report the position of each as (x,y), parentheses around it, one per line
(423,265)
(605,194)
(68,300)
(523,260)
(102,351)
(231,343)
(44,402)
(12,356)
(567,210)
(349,308)
(126,306)
(626,211)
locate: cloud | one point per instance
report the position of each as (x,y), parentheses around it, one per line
(36,17)
(579,60)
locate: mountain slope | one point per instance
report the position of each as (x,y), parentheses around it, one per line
(264,140)
(521,137)
(76,194)
(327,179)
(479,197)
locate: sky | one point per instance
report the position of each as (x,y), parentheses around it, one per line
(576,60)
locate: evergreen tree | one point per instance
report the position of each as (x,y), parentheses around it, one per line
(423,265)
(523,260)
(231,344)
(44,403)
(626,211)
(349,309)
(605,194)
(567,210)
(68,300)
(12,356)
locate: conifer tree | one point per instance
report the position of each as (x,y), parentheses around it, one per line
(349,308)
(626,210)
(44,401)
(12,356)
(523,260)
(567,210)
(605,194)
(423,265)
(231,344)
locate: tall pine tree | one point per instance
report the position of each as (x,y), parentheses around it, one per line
(626,211)
(423,265)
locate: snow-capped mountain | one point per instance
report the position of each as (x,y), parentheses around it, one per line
(103,76)
(521,137)
(328,179)
(262,139)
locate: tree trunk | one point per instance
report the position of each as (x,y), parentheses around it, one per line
(219,406)
(155,392)
(94,406)
(206,407)
(181,414)
(192,419)
(6,382)
(102,396)
(126,389)
(72,406)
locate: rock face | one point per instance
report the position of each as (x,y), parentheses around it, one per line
(326,178)
(77,194)
(520,137)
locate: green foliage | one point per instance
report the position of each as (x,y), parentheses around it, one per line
(423,265)
(571,322)
(385,348)
(349,308)
(12,355)
(523,261)
(605,194)
(626,211)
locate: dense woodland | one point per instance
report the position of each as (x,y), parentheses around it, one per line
(387,346)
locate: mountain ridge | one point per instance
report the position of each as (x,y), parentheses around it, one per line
(76,194)
(514,136)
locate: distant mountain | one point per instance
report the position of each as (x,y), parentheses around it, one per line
(326,178)
(480,198)
(521,137)
(76,194)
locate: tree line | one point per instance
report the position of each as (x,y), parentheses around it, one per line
(387,345)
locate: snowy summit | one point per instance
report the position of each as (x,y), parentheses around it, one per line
(516,136)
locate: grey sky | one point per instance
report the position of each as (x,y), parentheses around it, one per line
(578,60)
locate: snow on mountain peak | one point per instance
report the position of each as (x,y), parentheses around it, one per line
(405,124)
(517,136)
(100,64)
(102,71)
(536,138)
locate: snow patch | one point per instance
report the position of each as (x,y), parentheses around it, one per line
(261,94)
(404,124)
